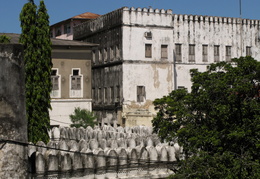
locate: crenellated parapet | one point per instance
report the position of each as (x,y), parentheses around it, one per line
(101,23)
(213,19)
(124,16)
(147,17)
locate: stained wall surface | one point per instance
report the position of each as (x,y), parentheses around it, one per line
(155,50)
(13,125)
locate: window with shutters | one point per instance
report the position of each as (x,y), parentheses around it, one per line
(141,93)
(164,51)
(191,53)
(204,53)
(148,50)
(216,53)
(178,52)
(228,53)
(248,51)
(55,79)
(76,83)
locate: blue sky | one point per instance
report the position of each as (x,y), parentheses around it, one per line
(63,9)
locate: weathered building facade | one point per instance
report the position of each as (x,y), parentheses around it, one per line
(146,53)
(71,79)
(64,29)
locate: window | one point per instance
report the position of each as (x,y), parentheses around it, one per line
(105,95)
(117,93)
(178,52)
(54,80)
(228,53)
(181,87)
(76,80)
(148,50)
(93,94)
(100,56)
(216,53)
(140,93)
(191,53)
(111,94)
(204,53)
(57,31)
(111,53)
(76,83)
(105,54)
(93,56)
(55,93)
(248,51)
(67,28)
(164,51)
(117,54)
(99,95)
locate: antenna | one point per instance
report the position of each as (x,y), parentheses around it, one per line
(241,29)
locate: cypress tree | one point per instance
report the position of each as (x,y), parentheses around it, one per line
(37,57)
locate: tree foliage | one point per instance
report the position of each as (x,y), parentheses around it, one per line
(35,38)
(217,123)
(82,118)
(5,39)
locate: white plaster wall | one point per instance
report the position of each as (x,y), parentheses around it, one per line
(155,73)
(62,108)
(211,31)
(157,79)
(183,78)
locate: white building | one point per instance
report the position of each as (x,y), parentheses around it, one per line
(144,54)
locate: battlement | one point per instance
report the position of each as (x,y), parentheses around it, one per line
(213,19)
(148,10)
(124,16)
(103,22)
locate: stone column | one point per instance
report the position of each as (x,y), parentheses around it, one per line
(13,125)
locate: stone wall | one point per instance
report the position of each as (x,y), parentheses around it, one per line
(13,126)
(105,152)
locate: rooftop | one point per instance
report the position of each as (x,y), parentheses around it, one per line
(55,42)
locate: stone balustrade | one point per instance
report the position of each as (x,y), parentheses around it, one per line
(103,151)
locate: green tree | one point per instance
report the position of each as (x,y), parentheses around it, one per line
(5,39)
(82,118)
(217,123)
(35,38)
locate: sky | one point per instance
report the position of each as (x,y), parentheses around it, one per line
(59,10)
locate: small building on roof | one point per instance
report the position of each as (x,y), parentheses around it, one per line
(71,77)
(64,29)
